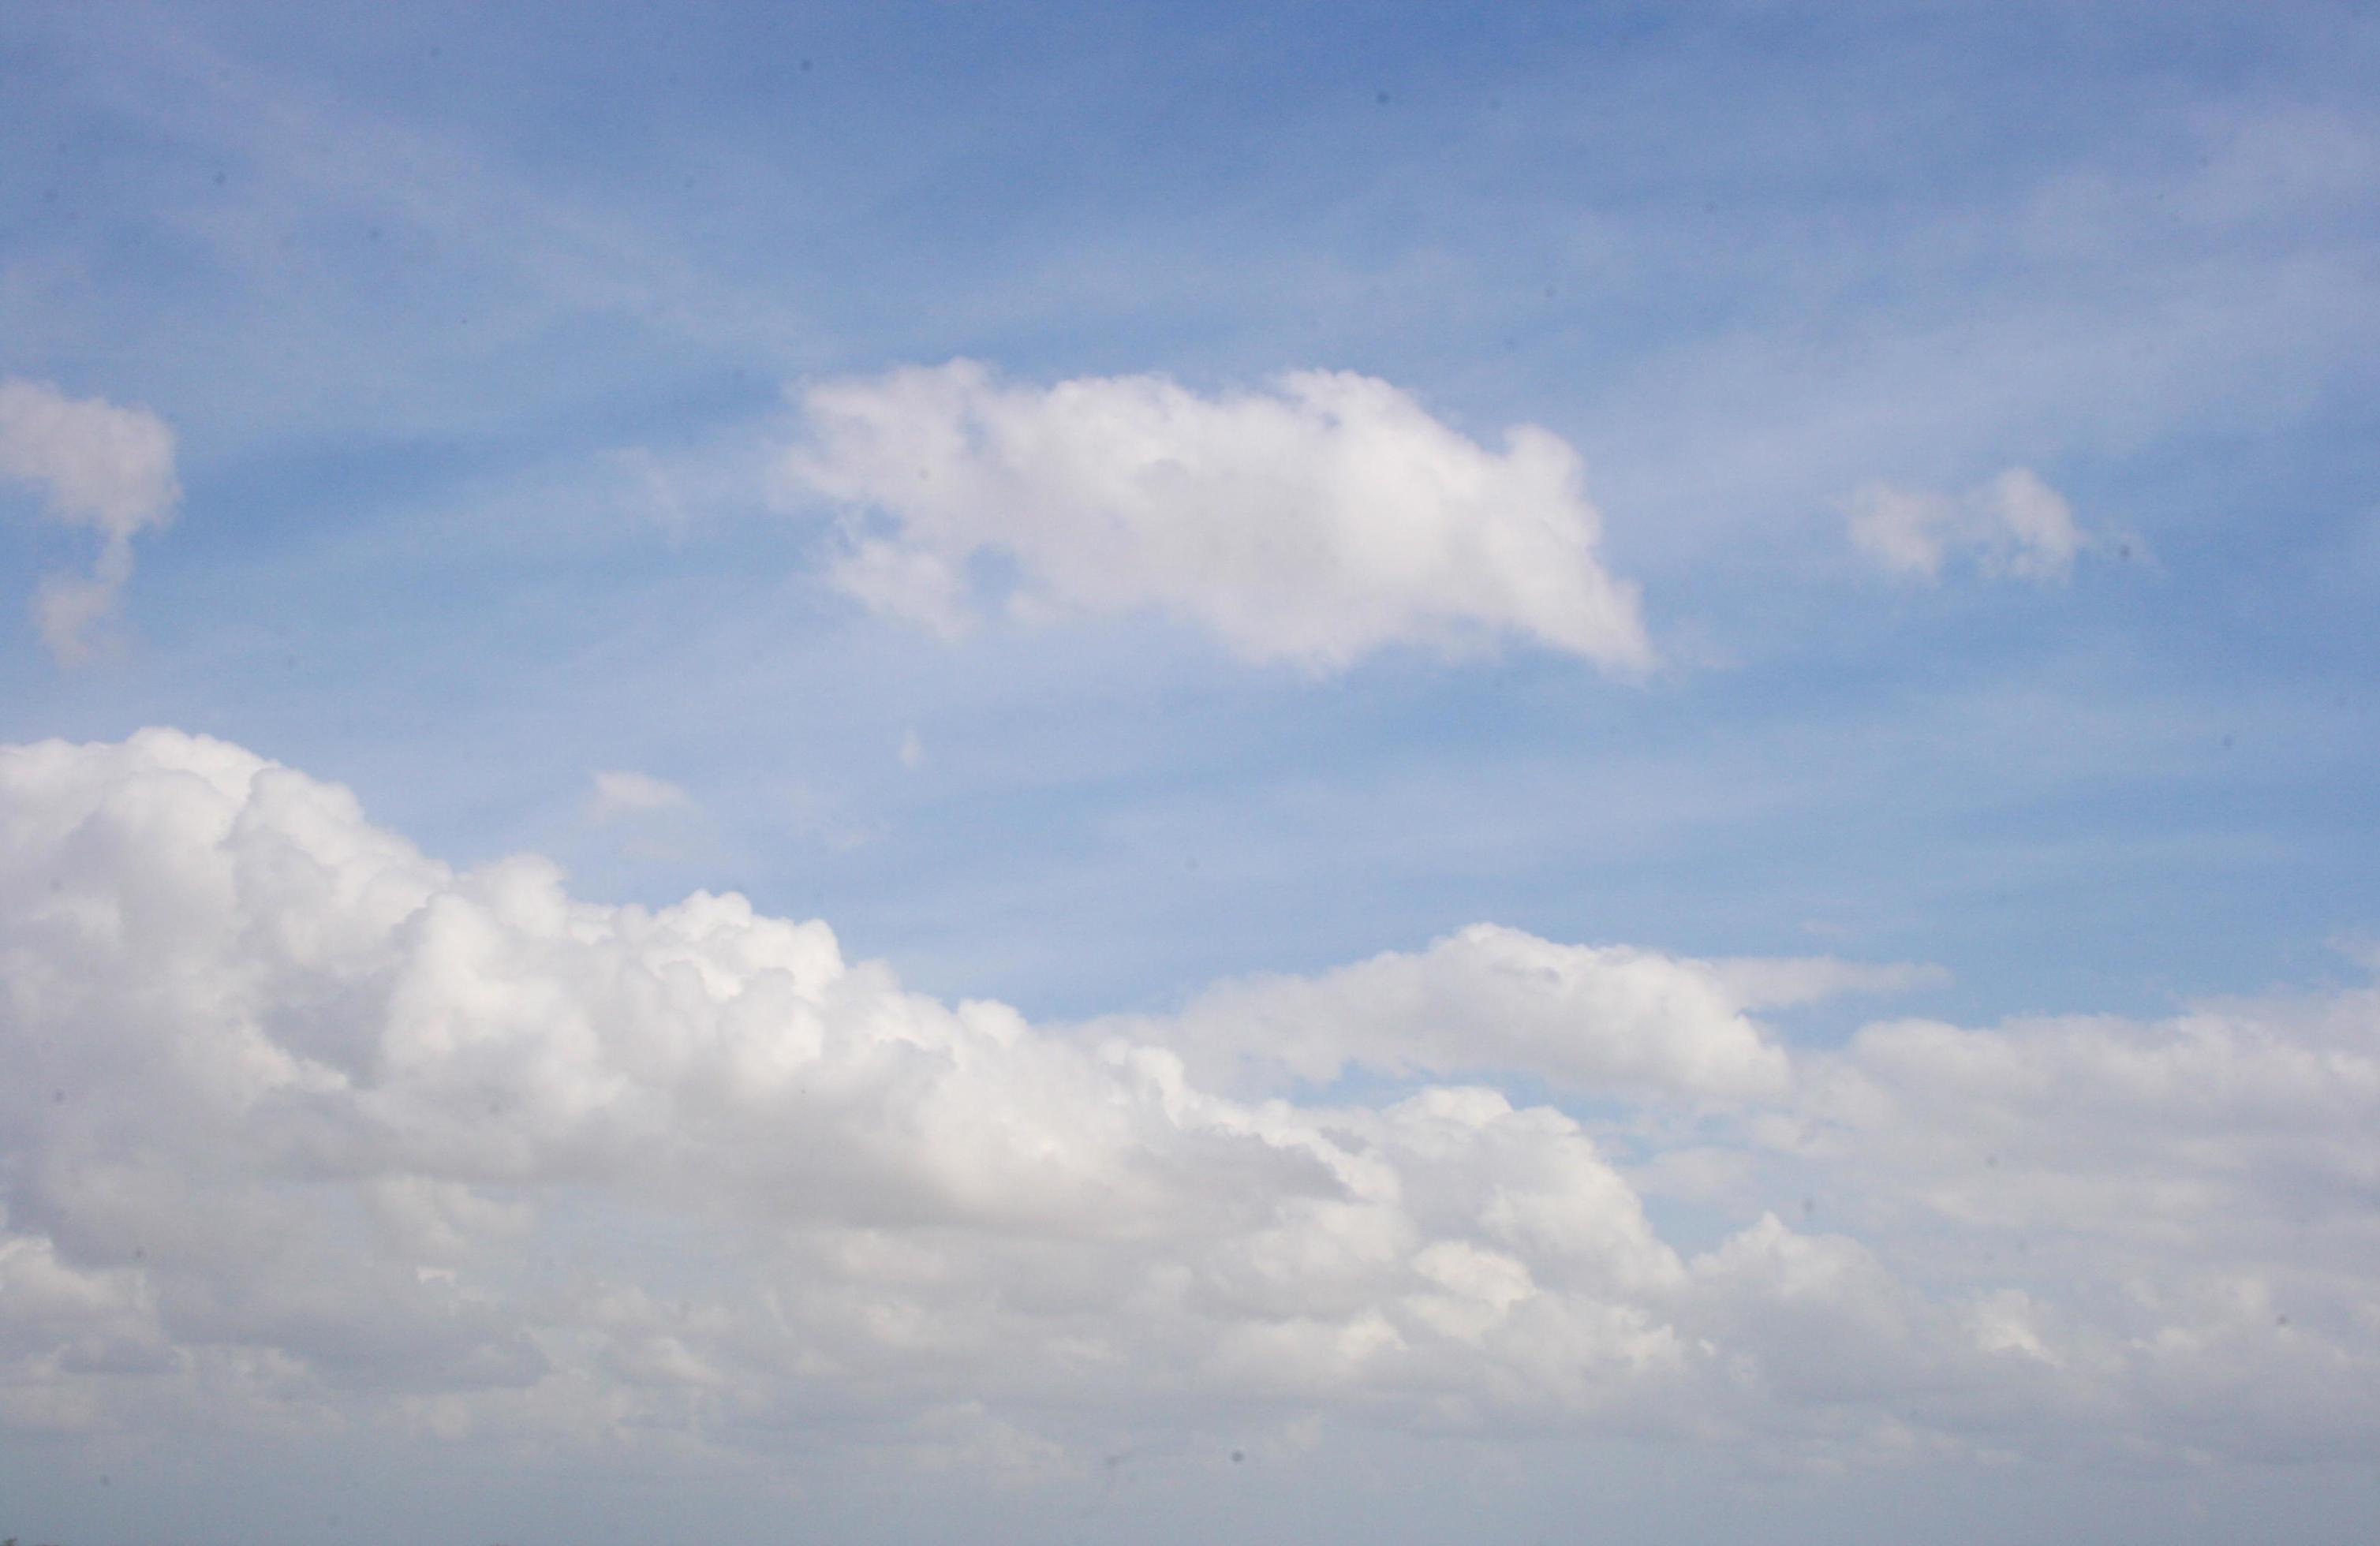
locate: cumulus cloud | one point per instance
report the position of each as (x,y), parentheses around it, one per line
(1492,1001)
(304,1127)
(2242,1121)
(2015,525)
(95,465)
(1315,521)
(618,793)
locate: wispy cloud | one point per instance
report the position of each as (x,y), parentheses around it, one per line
(97,466)
(618,793)
(2014,526)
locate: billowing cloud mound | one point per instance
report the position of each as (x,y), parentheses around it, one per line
(302,1126)
(96,465)
(2016,526)
(1313,522)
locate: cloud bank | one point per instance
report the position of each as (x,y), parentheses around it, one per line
(304,1128)
(1314,522)
(95,465)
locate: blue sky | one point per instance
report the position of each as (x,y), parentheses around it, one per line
(484,336)
(411,289)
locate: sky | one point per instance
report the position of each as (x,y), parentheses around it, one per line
(965,771)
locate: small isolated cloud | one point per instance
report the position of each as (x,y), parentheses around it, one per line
(912,751)
(1315,521)
(2015,526)
(616,794)
(98,465)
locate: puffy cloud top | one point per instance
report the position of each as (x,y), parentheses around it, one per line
(1314,522)
(304,1126)
(1491,999)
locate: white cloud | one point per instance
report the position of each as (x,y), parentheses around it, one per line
(264,988)
(2241,1120)
(1492,1001)
(1315,522)
(304,1128)
(2015,525)
(98,465)
(618,793)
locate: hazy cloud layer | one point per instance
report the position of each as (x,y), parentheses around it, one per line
(94,465)
(1313,521)
(305,1127)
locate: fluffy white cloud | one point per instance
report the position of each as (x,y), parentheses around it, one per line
(1314,522)
(321,1098)
(2179,1213)
(305,1128)
(98,465)
(1491,1000)
(2015,526)
(2244,1125)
